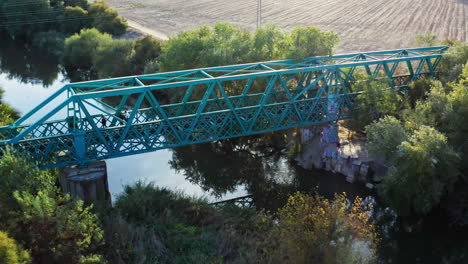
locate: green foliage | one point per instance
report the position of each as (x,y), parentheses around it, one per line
(311,41)
(107,19)
(452,64)
(419,90)
(8,114)
(384,137)
(80,49)
(423,172)
(112,58)
(74,14)
(316,230)
(376,100)
(455,124)
(226,44)
(97,52)
(147,51)
(61,230)
(18,173)
(175,228)
(11,252)
(427,39)
(142,201)
(269,43)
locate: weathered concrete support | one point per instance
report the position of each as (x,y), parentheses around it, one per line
(88,183)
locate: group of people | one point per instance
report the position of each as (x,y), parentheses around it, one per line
(123,116)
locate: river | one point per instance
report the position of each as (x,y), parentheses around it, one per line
(217,171)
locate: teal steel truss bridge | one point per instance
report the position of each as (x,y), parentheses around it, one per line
(103,119)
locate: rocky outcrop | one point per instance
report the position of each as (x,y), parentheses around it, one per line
(330,148)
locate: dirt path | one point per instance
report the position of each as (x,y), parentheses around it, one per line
(361,24)
(147,31)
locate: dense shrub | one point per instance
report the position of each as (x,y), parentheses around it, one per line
(107,19)
(112,58)
(315,230)
(384,136)
(424,170)
(11,252)
(376,100)
(80,49)
(17,172)
(61,230)
(226,44)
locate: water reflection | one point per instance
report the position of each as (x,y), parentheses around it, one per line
(20,61)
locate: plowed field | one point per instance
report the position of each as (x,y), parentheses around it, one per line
(361,24)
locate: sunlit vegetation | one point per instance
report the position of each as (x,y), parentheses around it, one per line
(425,142)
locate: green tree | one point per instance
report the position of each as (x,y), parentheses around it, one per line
(112,58)
(61,230)
(204,47)
(17,172)
(452,64)
(107,19)
(269,43)
(11,252)
(376,100)
(384,137)
(456,117)
(80,49)
(147,50)
(77,21)
(311,41)
(424,171)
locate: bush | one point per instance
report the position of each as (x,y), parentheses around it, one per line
(424,170)
(226,44)
(376,100)
(315,230)
(112,58)
(384,137)
(61,230)
(107,19)
(147,52)
(80,49)
(12,253)
(311,41)
(18,173)
(451,65)
(77,19)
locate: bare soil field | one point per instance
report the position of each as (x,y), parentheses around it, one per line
(361,24)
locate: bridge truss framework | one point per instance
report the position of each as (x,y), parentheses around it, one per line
(130,115)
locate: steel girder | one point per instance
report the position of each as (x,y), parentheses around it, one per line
(130,115)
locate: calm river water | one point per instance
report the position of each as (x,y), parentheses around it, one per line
(217,171)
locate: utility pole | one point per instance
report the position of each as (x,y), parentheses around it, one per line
(259,13)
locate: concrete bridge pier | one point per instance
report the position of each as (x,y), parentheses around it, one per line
(88,182)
